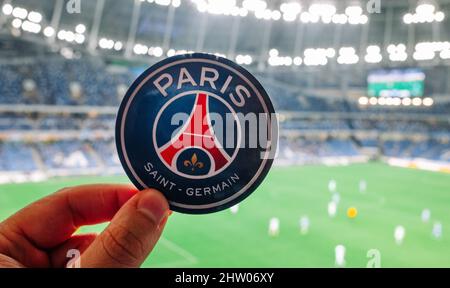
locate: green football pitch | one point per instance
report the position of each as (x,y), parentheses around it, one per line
(394,196)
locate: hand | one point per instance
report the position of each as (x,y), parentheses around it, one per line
(41,234)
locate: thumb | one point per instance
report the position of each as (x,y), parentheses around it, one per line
(132,233)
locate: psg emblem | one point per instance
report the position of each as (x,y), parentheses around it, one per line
(200,129)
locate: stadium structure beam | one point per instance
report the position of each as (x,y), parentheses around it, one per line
(201,33)
(56,19)
(133,28)
(389,17)
(234,37)
(298,42)
(2,16)
(265,45)
(411,35)
(93,36)
(169,27)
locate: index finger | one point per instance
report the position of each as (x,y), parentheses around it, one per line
(53,219)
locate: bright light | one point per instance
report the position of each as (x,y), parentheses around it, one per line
(80,28)
(373,54)
(363,100)
(322,10)
(176,3)
(61,35)
(16,23)
(19,12)
(317,56)
(35,17)
(425,13)
(417,101)
(158,51)
(425,9)
(49,31)
(406,101)
(353,11)
(397,53)
(373,101)
(7,9)
(297,61)
(31,27)
(79,38)
(118,46)
(244,59)
(381,101)
(254,5)
(105,43)
(347,55)
(163,2)
(70,36)
(427,101)
(445,54)
(276,15)
(439,16)
(140,49)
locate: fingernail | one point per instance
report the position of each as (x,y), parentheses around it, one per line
(153,205)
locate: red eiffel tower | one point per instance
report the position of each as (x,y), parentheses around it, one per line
(197,133)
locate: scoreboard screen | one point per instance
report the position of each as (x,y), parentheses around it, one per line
(403,83)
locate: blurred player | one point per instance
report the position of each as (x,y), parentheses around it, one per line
(362,186)
(304,225)
(274,227)
(332,185)
(399,234)
(336,198)
(339,256)
(332,209)
(437,230)
(426,215)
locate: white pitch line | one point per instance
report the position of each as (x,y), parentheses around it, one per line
(191,259)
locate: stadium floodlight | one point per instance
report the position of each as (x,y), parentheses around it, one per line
(428,102)
(163,2)
(381,101)
(396,101)
(373,101)
(276,15)
(170,52)
(347,55)
(7,9)
(397,53)
(297,61)
(406,101)
(70,36)
(118,46)
(176,3)
(322,9)
(417,101)
(363,100)
(373,54)
(353,11)
(31,27)
(49,31)
(315,57)
(254,5)
(16,23)
(439,16)
(157,51)
(20,12)
(62,35)
(290,10)
(80,28)
(35,17)
(425,9)
(445,54)
(79,38)
(244,59)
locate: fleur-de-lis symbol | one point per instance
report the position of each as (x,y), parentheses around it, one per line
(193,163)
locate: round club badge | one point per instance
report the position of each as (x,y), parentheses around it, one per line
(199,128)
